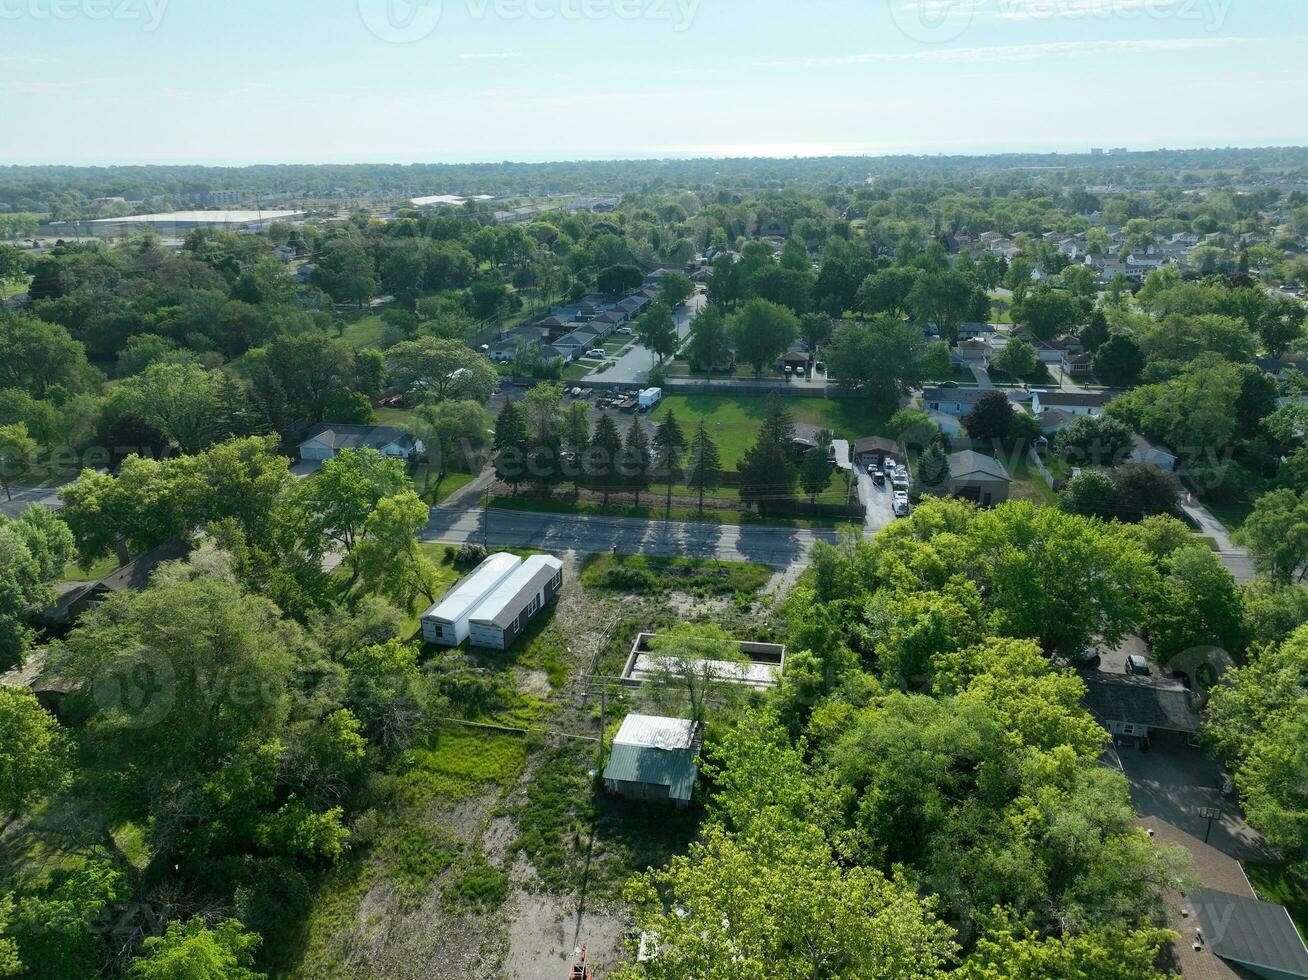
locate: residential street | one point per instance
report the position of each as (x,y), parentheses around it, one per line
(779,547)
(25,497)
(635,363)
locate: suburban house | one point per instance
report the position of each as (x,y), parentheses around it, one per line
(1146,451)
(1257,938)
(1134,706)
(446,623)
(654,759)
(981,479)
(326,440)
(132,577)
(953,401)
(1079,365)
(503,615)
(1055,420)
(1071,402)
(973,353)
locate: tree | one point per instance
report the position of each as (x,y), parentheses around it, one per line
(888,291)
(786,287)
(778,422)
(635,465)
(1144,490)
(193,951)
(1091,494)
(658,331)
(34,752)
(991,419)
(726,287)
(1046,313)
(1010,951)
(766,474)
(603,461)
(704,467)
(31,556)
(946,299)
(454,433)
(390,694)
(38,357)
(512,445)
(389,560)
(337,501)
(1018,359)
(1197,605)
(814,330)
(346,273)
(1276,535)
(441,370)
(675,289)
(709,346)
(619,279)
(696,668)
(762,332)
(183,401)
(815,472)
(1095,440)
(17,455)
(576,437)
(933,471)
(486,300)
(885,358)
(670,443)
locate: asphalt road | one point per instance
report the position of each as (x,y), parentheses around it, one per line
(778,547)
(24,497)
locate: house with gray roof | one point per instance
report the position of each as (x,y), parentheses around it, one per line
(981,479)
(654,759)
(326,440)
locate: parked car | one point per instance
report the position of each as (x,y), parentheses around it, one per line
(901,504)
(879,478)
(789,369)
(1087,659)
(799,371)
(598,352)
(888,467)
(948,384)
(1137,665)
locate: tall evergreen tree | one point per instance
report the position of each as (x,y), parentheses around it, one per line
(704,468)
(766,474)
(670,442)
(603,458)
(636,465)
(512,442)
(778,422)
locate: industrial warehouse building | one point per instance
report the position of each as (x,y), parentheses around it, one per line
(653,759)
(504,614)
(446,623)
(178,224)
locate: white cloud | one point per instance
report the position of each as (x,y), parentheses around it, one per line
(1016,53)
(489,55)
(1047,9)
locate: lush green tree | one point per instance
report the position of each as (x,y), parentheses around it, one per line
(888,291)
(390,562)
(778,425)
(675,289)
(767,474)
(58,931)
(946,299)
(194,951)
(337,501)
(441,370)
(30,559)
(575,437)
(1276,535)
(183,401)
(619,279)
(815,472)
(1144,490)
(1196,605)
(454,434)
(38,357)
(345,271)
(1273,611)
(1018,359)
(1091,494)
(709,346)
(776,901)
(18,453)
(1046,313)
(883,356)
(933,471)
(726,287)
(658,331)
(33,751)
(1095,440)
(704,465)
(790,288)
(695,670)
(762,332)
(1009,951)
(992,419)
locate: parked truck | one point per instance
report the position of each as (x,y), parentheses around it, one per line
(649,398)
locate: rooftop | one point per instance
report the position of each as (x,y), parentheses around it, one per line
(969,463)
(202,217)
(1256,935)
(499,609)
(1140,701)
(359,436)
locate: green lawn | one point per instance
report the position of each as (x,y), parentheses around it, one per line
(646,575)
(1028,484)
(1232,514)
(12,287)
(364,332)
(452,484)
(733,421)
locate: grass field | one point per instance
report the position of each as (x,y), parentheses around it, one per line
(366,331)
(651,575)
(733,421)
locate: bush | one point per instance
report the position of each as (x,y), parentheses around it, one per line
(470,555)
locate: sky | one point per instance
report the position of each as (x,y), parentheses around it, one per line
(234,82)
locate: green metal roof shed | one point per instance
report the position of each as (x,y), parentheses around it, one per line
(653,759)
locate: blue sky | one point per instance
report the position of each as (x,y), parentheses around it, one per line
(274,81)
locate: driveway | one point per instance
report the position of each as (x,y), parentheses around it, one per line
(1235,558)
(877,501)
(778,547)
(633,365)
(25,497)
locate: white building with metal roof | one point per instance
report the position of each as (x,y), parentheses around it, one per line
(446,623)
(504,614)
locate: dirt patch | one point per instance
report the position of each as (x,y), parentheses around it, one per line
(534,682)
(543,931)
(497,840)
